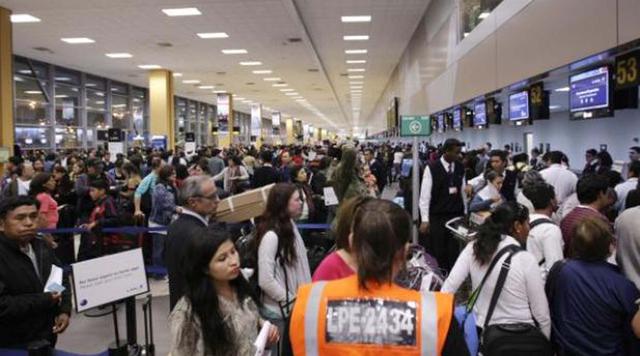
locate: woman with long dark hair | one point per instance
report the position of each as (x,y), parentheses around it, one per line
(282,257)
(346,180)
(522,300)
(217,314)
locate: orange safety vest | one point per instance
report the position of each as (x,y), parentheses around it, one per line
(339,318)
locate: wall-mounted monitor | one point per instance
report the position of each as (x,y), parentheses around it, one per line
(590,93)
(519,106)
(494,111)
(480,113)
(441,123)
(457,119)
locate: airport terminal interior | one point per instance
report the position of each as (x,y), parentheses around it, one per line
(319,177)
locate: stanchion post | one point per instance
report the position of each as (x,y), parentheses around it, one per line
(132,330)
(415,183)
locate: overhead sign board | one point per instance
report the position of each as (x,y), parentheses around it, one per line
(415,126)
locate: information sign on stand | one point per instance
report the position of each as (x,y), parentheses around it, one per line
(415,126)
(159,142)
(189,143)
(116,143)
(107,279)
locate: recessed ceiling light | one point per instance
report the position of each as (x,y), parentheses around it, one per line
(207,35)
(220,91)
(291,94)
(553,107)
(77,40)
(149,66)
(355,38)
(265,71)
(356,83)
(301,100)
(362,18)
(177,74)
(206,87)
(235,51)
(271,79)
(288,89)
(355,70)
(356,87)
(356,76)
(24,18)
(118,55)
(238,98)
(356,61)
(251,63)
(185,11)
(191,81)
(484,15)
(280,85)
(32,92)
(563,89)
(355,51)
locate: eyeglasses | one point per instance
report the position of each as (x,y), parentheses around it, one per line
(213,197)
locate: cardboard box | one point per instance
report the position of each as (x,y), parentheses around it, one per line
(243,206)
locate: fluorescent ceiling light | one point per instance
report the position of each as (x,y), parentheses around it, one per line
(356,76)
(118,55)
(552,107)
(149,66)
(356,87)
(24,18)
(77,40)
(291,94)
(61,96)
(355,70)
(206,87)
(280,85)
(301,100)
(297,97)
(62,79)
(235,51)
(185,11)
(207,35)
(356,61)
(191,81)
(563,89)
(355,51)
(483,15)
(356,83)
(251,63)
(355,38)
(351,19)
(177,74)
(220,91)
(32,92)
(265,71)
(238,98)
(285,90)
(271,79)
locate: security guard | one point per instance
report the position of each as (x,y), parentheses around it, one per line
(367,314)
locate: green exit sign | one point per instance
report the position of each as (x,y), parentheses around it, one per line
(415,126)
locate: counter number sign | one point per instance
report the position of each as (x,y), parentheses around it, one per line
(415,126)
(628,70)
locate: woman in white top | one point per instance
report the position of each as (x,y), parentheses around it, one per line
(523,298)
(282,258)
(488,197)
(235,177)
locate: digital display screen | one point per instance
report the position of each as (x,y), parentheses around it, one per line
(441,125)
(519,106)
(457,119)
(480,113)
(589,90)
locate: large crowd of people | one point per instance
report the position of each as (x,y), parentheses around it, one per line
(569,239)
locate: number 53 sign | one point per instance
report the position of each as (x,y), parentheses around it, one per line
(628,70)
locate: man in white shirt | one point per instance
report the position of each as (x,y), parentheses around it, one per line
(634,156)
(560,177)
(627,230)
(623,189)
(545,237)
(498,161)
(440,201)
(21,184)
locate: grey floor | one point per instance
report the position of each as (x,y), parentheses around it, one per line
(87,335)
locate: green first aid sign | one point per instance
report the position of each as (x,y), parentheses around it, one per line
(415,126)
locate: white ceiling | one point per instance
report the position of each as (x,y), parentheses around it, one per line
(260,26)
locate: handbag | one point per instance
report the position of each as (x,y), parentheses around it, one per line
(285,310)
(511,339)
(465,315)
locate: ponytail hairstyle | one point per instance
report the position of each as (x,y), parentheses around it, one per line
(499,223)
(381,230)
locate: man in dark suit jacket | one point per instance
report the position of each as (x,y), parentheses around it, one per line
(199,201)
(376,168)
(27,314)
(266,174)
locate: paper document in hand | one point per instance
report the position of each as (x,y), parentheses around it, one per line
(330,197)
(55,277)
(261,340)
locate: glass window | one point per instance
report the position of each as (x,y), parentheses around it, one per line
(120,114)
(67,100)
(192,117)
(138,110)
(21,66)
(67,76)
(472,12)
(119,88)
(30,102)
(68,137)
(96,100)
(96,83)
(91,141)
(32,137)
(181,117)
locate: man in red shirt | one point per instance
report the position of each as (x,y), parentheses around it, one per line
(592,194)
